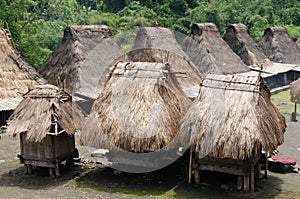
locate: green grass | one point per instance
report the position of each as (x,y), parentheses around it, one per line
(283,103)
(126,190)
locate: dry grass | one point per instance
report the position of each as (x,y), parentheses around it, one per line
(279,47)
(210,53)
(138,109)
(233,117)
(16,76)
(157,44)
(241,43)
(81,59)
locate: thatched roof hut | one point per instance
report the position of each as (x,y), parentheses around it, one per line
(138,109)
(242,44)
(279,47)
(157,44)
(295,91)
(233,117)
(81,59)
(16,76)
(45,110)
(210,53)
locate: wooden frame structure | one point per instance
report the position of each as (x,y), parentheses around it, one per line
(245,170)
(50,152)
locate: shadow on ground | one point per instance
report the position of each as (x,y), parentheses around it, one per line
(39,179)
(172,182)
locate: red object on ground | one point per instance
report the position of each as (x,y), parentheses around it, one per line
(284,160)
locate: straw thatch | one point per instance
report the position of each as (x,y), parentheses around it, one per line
(138,109)
(45,110)
(242,44)
(298,42)
(233,117)
(295,91)
(157,44)
(80,60)
(16,76)
(279,47)
(210,53)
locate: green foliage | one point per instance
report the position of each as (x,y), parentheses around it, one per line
(294,31)
(37,26)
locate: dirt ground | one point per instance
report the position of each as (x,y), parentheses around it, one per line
(89,179)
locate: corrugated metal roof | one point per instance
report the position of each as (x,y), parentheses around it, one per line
(277,68)
(7,104)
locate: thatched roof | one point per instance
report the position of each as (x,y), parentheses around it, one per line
(81,59)
(157,44)
(298,42)
(45,110)
(210,53)
(279,47)
(233,117)
(138,109)
(16,76)
(242,44)
(295,91)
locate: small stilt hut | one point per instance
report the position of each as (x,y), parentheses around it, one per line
(230,123)
(46,121)
(81,59)
(157,44)
(137,111)
(16,77)
(210,53)
(295,97)
(242,44)
(279,47)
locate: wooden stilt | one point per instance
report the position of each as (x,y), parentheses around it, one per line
(190,165)
(29,169)
(51,173)
(252,177)
(197,176)
(246,183)
(266,166)
(57,170)
(258,170)
(239,183)
(26,168)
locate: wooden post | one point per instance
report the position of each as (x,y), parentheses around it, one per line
(252,177)
(295,111)
(266,165)
(57,173)
(239,182)
(51,173)
(190,165)
(246,183)
(197,176)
